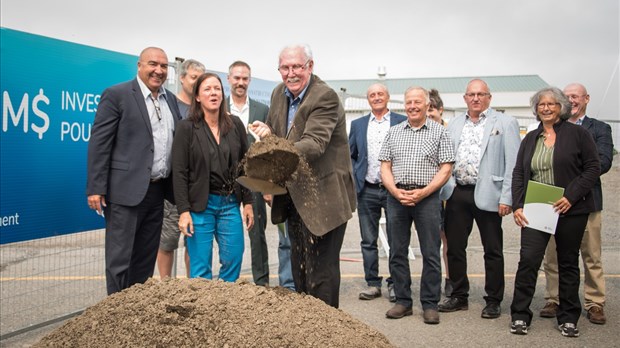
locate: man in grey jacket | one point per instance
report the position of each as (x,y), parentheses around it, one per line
(486,143)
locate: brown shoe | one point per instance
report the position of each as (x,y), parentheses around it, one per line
(549,310)
(431,316)
(398,311)
(596,315)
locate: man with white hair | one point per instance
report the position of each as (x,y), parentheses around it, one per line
(365,139)
(416,160)
(306,111)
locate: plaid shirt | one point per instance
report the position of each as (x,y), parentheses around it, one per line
(416,153)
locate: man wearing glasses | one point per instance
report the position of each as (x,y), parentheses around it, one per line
(129,167)
(307,112)
(486,144)
(594,280)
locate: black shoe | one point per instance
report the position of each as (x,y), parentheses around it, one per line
(454,304)
(491,311)
(519,327)
(568,330)
(391,293)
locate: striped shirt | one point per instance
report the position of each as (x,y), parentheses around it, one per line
(374,138)
(416,153)
(542,162)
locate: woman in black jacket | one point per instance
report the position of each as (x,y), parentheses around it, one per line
(562,154)
(206,152)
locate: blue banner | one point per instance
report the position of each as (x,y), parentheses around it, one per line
(50,92)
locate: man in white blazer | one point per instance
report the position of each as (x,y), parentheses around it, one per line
(486,144)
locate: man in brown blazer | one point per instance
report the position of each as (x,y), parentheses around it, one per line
(307,112)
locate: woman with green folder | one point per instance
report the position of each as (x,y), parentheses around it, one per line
(561,154)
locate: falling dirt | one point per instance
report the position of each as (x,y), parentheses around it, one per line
(208,313)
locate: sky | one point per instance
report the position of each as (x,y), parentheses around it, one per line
(562,41)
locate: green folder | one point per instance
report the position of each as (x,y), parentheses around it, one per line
(538,207)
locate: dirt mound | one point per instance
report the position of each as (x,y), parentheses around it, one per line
(206,313)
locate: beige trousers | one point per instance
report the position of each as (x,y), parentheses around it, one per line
(594,283)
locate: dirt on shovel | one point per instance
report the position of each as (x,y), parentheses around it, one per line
(272,159)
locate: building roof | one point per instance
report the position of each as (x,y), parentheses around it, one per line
(511,83)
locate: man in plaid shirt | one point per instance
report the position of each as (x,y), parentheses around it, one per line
(416,160)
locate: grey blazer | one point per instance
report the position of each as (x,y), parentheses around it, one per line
(500,144)
(120,150)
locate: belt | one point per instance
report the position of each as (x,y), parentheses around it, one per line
(409,187)
(376,186)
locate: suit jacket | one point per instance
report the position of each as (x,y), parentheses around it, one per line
(121,148)
(358,145)
(258,112)
(320,135)
(500,143)
(191,163)
(601,133)
(576,166)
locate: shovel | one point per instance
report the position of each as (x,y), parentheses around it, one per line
(268,168)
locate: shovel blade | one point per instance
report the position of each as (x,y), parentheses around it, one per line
(263,186)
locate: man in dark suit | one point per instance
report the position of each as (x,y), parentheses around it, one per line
(249,110)
(594,280)
(308,112)
(129,167)
(365,139)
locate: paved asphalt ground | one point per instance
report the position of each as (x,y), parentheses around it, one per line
(463,328)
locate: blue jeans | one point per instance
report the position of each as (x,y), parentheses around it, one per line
(370,201)
(285,273)
(427,218)
(222,220)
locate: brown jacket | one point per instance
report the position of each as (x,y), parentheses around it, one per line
(319,133)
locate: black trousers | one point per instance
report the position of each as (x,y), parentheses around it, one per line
(315,260)
(568,235)
(132,239)
(461,212)
(258,242)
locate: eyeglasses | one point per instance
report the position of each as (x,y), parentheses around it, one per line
(157,108)
(479,95)
(575,96)
(296,69)
(549,105)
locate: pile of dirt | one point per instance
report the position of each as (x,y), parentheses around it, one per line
(208,313)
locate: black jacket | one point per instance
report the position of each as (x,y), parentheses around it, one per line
(576,166)
(191,165)
(601,132)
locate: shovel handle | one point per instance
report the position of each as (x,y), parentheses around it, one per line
(254,135)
